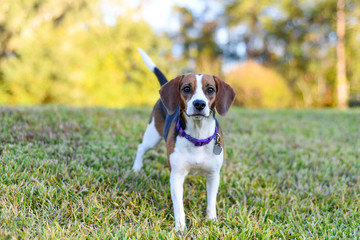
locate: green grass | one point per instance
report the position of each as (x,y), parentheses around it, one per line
(66,173)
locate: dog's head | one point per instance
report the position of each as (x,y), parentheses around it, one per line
(197,95)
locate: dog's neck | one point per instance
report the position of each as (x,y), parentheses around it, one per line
(200,128)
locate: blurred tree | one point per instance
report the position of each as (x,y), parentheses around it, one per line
(245,21)
(352,40)
(54,51)
(19,19)
(31,32)
(294,37)
(341,81)
(70,56)
(197,37)
(298,39)
(117,75)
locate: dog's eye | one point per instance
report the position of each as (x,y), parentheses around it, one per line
(210,90)
(186,89)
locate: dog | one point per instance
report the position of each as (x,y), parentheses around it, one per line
(185,117)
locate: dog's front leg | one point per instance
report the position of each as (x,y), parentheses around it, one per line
(176,187)
(212,186)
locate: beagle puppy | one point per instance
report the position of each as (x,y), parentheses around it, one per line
(185,117)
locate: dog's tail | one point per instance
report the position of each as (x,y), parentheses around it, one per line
(151,65)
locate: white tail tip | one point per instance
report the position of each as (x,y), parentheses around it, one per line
(149,63)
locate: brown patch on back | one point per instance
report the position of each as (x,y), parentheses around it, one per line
(159,115)
(171,140)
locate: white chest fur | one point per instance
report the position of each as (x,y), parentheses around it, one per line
(197,160)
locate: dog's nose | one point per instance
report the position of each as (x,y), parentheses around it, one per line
(199,104)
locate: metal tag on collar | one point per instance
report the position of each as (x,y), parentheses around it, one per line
(217,146)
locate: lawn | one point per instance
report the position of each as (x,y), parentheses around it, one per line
(66,173)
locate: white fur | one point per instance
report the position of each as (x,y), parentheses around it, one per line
(151,139)
(187,158)
(198,95)
(149,63)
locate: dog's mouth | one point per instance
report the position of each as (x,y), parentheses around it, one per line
(197,116)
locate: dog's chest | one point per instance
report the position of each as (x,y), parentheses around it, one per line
(195,159)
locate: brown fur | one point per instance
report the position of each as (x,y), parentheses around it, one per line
(169,94)
(170,144)
(189,80)
(221,139)
(208,81)
(225,96)
(159,114)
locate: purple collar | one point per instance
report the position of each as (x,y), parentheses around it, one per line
(196,142)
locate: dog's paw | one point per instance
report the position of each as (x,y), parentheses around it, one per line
(180,228)
(211,219)
(137,167)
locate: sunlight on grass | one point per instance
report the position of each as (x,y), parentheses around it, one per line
(65,173)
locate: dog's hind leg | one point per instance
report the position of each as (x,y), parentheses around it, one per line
(150,140)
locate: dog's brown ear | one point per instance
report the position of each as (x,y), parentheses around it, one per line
(170,94)
(225,96)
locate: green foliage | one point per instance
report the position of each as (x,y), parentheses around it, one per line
(62,51)
(352,52)
(258,86)
(197,38)
(295,38)
(287,174)
(80,60)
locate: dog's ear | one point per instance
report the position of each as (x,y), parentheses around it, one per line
(170,94)
(225,96)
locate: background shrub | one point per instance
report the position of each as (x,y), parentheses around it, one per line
(258,87)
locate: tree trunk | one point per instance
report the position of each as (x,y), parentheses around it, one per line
(341,84)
